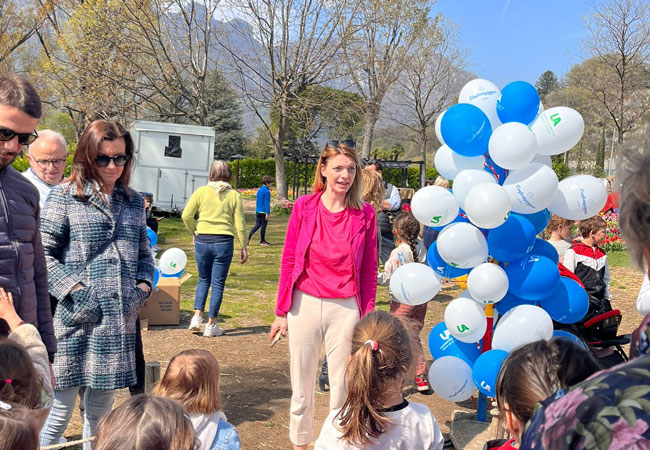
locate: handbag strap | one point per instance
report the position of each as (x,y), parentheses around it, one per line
(104,245)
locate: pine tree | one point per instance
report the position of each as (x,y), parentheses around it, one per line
(546,84)
(224,115)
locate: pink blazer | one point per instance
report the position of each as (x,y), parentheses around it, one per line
(363,240)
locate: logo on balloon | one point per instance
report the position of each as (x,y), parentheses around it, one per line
(482,94)
(172,264)
(486,386)
(460,390)
(583,197)
(462,328)
(556,119)
(435,220)
(522,196)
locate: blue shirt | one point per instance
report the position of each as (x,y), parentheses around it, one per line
(263,200)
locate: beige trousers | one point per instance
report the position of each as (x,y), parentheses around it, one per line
(311,321)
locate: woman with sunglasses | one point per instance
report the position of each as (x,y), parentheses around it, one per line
(100,270)
(328,281)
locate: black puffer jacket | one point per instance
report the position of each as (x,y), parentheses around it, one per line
(22,261)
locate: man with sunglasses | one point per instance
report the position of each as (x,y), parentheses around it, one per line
(46,157)
(22,261)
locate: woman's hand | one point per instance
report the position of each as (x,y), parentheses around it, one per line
(7,310)
(279,326)
(144,287)
(244,255)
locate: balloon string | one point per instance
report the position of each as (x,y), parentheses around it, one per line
(494,172)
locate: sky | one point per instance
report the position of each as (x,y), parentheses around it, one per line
(510,40)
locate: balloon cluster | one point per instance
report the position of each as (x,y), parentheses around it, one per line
(496,149)
(171,263)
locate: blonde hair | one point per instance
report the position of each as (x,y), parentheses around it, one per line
(556,221)
(370,369)
(442,182)
(373,189)
(353,196)
(192,379)
(220,171)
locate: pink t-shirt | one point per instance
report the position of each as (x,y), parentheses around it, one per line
(329,269)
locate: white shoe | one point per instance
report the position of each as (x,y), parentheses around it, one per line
(196,323)
(213,331)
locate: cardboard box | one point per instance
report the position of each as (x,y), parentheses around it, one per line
(162,307)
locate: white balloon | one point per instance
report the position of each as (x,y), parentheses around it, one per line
(484,95)
(532,188)
(414,284)
(487,283)
(466,180)
(451,379)
(543,159)
(512,145)
(558,130)
(488,205)
(172,261)
(522,325)
(437,127)
(434,206)
(465,320)
(579,197)
(462,245)
(448,163)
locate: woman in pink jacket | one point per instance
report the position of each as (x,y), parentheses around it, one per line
(328,280)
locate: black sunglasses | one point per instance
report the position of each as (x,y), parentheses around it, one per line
(23,138)
(104,161)
(348,143)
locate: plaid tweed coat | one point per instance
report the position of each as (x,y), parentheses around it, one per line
(95,326)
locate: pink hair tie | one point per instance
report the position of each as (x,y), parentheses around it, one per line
(8,381)
(373,344)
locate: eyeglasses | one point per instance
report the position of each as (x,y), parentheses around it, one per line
(348,143)
(43,163)
(23,138)
(104,161)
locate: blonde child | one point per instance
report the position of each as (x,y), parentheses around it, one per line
(192,379)
(560,234)
(375,415)
(145,423)
(407,229)
(25,376)
(532,373)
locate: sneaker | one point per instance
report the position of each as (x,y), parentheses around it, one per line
(196,323)
(213,331)
(265,244)
(423,385)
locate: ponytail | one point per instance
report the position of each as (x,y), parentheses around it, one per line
(381,353)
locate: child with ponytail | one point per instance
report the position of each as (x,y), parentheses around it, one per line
(410,249)
(375,415)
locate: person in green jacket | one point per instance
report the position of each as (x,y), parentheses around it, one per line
(214,215)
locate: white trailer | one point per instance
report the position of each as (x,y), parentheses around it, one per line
(170,161)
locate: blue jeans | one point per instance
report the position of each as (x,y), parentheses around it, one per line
(212,261)
(96,404)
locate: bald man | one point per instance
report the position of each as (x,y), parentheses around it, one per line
(46,156)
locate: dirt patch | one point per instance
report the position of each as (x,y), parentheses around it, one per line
(255,385)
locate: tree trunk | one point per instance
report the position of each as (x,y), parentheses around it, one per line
(278,155)
(423,155)
(370,119)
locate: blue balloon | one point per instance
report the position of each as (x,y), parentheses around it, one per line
(519,102)
(153,237)
(441,267)
(466,130)
(568,303)
(539,219)
(544,248)
(172,275)
(486,370)
(533,277)
(570,336)
(461,217)
(498,172)
(510,301)
(156,276)
(442,343)
(511,241)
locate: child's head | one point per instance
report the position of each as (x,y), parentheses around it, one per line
(146,423)
(442,182)
(17,428)
(267,180)
(148,200)
(563,227)
(533,372)
(594,229)
(407,229)
(192,379)
(20,383)
(382,356)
